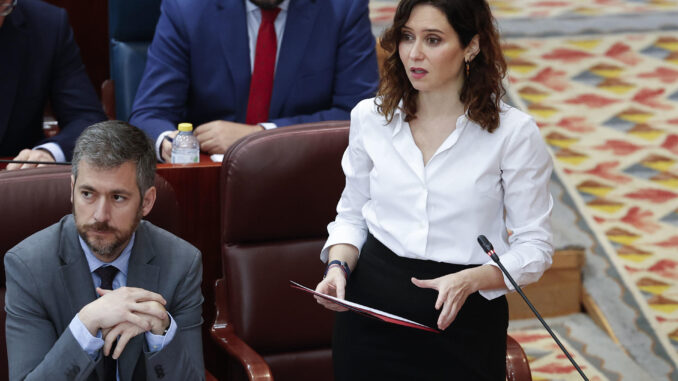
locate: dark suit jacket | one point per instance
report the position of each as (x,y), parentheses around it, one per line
(41,61)
(48,282)
(198,67)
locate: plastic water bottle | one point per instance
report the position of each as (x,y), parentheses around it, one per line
(185,148)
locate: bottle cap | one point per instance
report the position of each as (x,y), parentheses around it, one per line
(185,127)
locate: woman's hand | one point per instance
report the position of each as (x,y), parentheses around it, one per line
(453,289)
(334,284)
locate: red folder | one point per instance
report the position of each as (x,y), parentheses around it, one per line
(367,311)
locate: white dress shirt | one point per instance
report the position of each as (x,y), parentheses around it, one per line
(54,149)
(254,22)
(436,211)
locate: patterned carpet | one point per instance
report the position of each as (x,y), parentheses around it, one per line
(608,108)
(546,359)
(574,8)
(606,100)
(547,362)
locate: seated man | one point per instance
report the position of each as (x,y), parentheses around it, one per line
(63,319)
(235,67)
(40,61)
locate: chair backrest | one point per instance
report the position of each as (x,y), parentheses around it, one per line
(33,199)
(279,191)
(131,26)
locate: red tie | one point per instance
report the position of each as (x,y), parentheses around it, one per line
(261,85)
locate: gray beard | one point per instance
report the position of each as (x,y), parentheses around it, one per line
(105,251)
(112,250)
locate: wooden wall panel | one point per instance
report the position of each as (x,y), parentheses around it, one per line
(89,20)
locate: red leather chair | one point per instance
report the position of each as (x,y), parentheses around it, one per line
(33,199)
(517,367)
(279,191)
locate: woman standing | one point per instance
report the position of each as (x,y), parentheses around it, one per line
(433,161)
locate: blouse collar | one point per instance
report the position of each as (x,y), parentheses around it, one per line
(399,118)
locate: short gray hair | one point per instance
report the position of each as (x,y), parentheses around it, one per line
(112,143)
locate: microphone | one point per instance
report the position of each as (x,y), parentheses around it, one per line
(487,247)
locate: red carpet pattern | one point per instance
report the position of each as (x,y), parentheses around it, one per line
(573,8)
(547,361)
(608,108)
(381,11)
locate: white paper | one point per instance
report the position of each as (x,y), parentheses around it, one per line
(359,306)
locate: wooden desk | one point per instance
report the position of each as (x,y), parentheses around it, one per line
(559,291)
(197,190)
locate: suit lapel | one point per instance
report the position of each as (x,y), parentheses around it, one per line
(298,29)
(232,32)
(78,284)
(75,270)
(142,274)
(13,40)
(75,274)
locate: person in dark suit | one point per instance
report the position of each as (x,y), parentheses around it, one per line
(102,274)
(205,64)
(40,61)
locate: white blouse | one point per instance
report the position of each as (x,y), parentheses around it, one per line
(436,211)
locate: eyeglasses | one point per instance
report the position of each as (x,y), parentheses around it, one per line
(7,7)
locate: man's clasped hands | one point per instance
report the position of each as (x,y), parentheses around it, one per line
(124,313)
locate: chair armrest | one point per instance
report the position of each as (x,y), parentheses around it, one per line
(517,367)
(222,332)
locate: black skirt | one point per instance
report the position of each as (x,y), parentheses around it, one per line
(472,348)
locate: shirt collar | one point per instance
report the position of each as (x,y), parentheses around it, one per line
(122,262)
(399,119)
(250,7)
(399,111)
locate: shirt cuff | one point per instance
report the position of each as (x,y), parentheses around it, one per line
(268,125)
(158,342)
(513,267)
(343,234)
(53,149)
(158,144)
(90,344)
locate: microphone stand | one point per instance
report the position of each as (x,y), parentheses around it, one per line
(487,247)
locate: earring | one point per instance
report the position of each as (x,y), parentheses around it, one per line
(468,69)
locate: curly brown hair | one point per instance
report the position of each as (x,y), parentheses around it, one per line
(482,90)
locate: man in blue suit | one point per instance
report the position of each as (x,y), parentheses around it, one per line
(40,61)
(202,59)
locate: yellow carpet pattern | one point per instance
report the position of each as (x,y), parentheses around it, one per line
(608,108)
(573,8)
(547,361)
